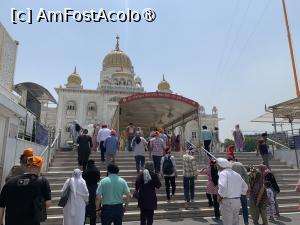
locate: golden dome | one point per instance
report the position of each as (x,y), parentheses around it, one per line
(74,78)
(163,85)
(117,58)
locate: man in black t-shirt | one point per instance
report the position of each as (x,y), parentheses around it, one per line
(262,148)
(21,197)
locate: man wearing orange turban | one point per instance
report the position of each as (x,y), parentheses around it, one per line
(18,170)
(35,162)
(23,196)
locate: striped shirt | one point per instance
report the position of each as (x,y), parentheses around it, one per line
(157,146)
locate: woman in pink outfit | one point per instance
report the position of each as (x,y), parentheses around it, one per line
(238,138)
(212,186)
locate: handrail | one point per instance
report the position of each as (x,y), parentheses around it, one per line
(48,151)
(296,154)
(51,145)
(195,147)
(277,143)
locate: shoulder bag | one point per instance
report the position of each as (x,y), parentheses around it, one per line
(65,196)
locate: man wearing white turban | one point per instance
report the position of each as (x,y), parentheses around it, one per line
(231,187)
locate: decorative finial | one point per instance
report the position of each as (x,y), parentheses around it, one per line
(75,70)
(164,77)
(117,45)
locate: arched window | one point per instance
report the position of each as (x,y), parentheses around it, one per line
(91,109)
(115,99)
(68,127)
(71,108)
(116,82)
(122,81)
(214,110)
(129,83)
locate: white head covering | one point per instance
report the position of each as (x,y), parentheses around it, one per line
(146,176)
(224,163)
(149,167)
(78,189)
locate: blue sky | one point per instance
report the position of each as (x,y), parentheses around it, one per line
(232,54)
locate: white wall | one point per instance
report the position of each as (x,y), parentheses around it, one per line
(10,145)
(8,54)
(14,148)
(288,156)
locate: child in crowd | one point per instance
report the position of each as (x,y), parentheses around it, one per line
(271,206)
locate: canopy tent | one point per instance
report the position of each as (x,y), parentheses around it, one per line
(282,113)
(154,110)
(36,90)
(287,110)
(268,118)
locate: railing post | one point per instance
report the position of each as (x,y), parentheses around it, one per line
(49,149)
(273,151)
(296,154)
(59,138)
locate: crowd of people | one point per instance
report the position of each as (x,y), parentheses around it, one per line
(25,197)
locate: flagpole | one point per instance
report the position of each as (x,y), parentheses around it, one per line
(291,49)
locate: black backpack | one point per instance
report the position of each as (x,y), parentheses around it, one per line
(168,167)
(77,127)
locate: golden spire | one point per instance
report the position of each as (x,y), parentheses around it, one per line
(117,44)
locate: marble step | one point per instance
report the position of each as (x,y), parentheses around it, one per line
(179,195)
(170,214)
(176,204)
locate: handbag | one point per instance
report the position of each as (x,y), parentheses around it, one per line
(65,196)
(136,194)
(270,153)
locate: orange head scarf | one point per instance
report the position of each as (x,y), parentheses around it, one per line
(35,161)
(28,152)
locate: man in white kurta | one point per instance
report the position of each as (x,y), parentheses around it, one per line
(74,211)
(231,187)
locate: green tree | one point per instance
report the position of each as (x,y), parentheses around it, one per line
(250,144)
(228,142)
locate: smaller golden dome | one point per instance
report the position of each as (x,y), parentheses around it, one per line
(74,78)
(163,85)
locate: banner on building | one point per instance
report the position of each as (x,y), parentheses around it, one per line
(41,134)
(29,123)
(297,141)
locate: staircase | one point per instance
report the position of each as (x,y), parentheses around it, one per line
(65,162)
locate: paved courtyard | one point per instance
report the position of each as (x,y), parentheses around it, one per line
(285,219)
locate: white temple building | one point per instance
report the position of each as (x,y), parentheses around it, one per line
(117,80)
(90,106)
